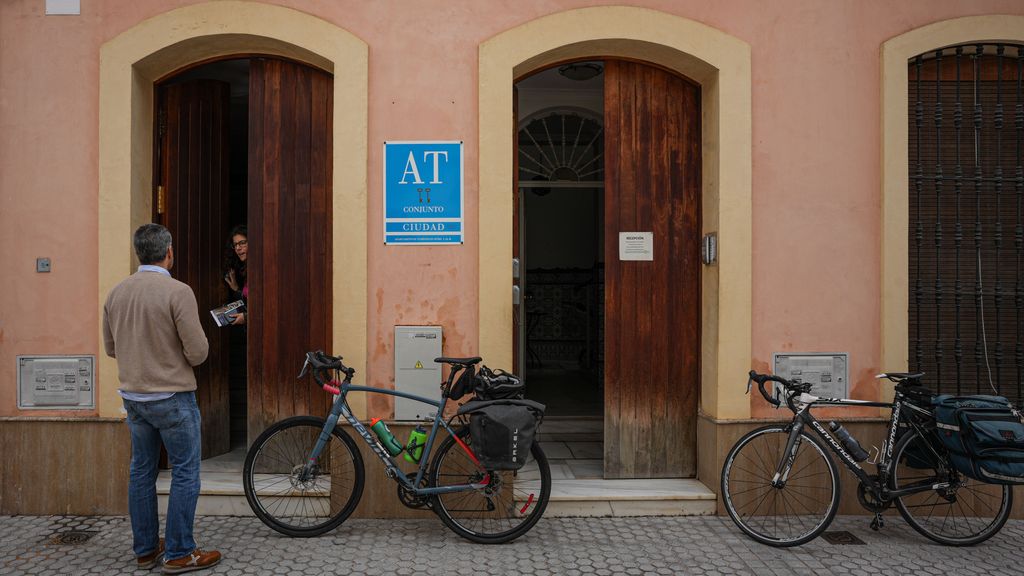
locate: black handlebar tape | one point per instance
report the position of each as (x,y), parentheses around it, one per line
(761,379)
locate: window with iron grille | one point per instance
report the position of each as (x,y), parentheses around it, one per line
(966,235)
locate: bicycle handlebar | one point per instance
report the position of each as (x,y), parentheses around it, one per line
(792,388)
(322,363)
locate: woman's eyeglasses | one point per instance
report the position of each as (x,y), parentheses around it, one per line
(240,243)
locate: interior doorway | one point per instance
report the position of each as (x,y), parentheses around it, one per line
(246,141)
(560,213)
(200,175)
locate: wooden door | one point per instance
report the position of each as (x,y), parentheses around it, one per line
(652,308)
(191,173)
(289,269)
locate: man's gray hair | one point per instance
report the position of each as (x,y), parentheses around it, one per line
(151,243)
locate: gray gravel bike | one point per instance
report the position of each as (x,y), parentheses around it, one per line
(781,488)
(304,475)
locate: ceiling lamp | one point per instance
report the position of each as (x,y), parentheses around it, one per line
(580,70)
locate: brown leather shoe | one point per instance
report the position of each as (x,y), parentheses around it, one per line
(147,561)
(196,560)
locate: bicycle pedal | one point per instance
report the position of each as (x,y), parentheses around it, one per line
(878,523)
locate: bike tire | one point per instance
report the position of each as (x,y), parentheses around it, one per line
(516,498)
(295,507)
(781,517)
(968,513)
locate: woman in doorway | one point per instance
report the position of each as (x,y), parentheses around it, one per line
(236,254)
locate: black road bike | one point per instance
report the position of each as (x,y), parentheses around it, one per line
(782,489)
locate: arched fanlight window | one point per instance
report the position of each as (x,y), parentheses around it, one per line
(561,145)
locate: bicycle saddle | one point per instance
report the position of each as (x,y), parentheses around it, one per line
(901,376)
(459,361)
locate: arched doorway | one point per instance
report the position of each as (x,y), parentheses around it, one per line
(615,286)
(135,60)
(243,142)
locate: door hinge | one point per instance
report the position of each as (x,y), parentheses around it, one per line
(161,203)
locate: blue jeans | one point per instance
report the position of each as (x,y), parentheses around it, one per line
(175,422)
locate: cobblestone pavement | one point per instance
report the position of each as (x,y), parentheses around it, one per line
(557,546)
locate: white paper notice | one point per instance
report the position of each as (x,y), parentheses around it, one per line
(636,245)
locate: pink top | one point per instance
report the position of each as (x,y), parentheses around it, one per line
(245,291)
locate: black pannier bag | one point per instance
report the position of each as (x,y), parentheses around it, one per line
(497,385)
(985,437)
(503,431)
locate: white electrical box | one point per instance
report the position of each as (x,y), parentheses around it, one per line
(56,382)
(415,370)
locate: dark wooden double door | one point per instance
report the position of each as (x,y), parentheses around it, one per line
(289,152)
(652,307)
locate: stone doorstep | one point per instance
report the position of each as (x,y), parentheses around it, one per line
(222,495)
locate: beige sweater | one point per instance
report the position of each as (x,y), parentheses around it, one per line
(151,325)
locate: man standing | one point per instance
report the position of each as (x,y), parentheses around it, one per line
(151,325)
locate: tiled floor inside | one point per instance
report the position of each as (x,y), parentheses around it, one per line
(574,447)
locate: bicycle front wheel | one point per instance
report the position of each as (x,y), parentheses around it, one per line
(965,513)
(789,514)
(506,508)
(294,499)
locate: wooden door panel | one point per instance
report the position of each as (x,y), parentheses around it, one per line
(289,231)
(652,322)
(192,168)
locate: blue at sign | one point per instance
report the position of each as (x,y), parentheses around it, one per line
(423,193)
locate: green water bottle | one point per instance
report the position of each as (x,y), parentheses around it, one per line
(414,449)
(385,436)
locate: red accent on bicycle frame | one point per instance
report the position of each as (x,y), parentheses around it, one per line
(487,478)
(332,387)
(527,505)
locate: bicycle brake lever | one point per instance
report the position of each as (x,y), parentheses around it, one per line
(305,368)
(750,384)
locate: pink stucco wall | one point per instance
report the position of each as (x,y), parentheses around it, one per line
(816,165)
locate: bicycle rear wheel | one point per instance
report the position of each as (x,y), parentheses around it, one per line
(294,502)
(964,514)
(511,503)
(793,514)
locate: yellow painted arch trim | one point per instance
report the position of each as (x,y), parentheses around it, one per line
(895,53)
(133,60)
(720,63)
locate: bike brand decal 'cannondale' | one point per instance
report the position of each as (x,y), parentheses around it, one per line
(915,472)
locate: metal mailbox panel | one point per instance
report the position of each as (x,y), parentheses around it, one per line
(56,383)
(415,369)
(826,371)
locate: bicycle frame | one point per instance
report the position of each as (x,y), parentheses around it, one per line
(803,418)
(340,409)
